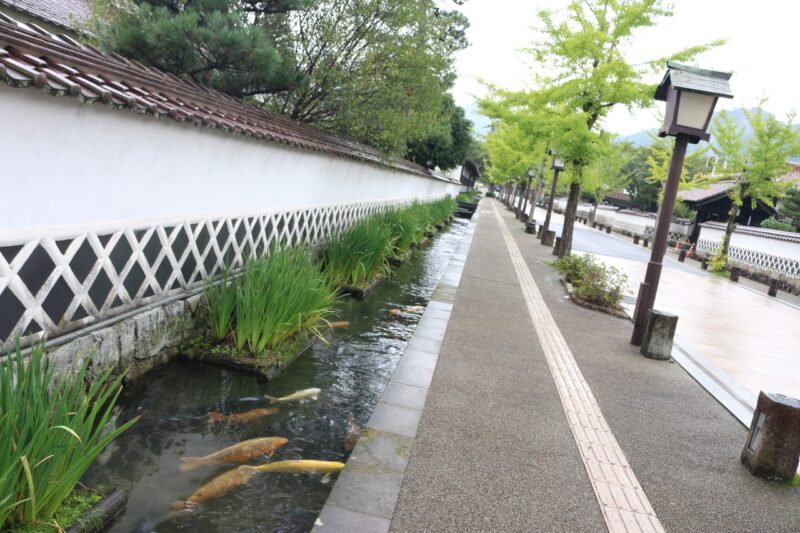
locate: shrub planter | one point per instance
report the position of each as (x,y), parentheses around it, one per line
(100,517)
(615,311)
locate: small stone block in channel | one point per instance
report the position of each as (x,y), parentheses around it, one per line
(772,449)
(658,337)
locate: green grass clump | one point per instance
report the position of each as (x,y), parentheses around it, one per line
(278,297)
(51,429)
(359,255)
(467,197)
(405,229)
(221,299)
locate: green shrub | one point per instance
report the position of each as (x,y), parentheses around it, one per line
(682,210)
(718,263)
(278,297)
(773,223)
(601,285)
(572,267)
(594,282)
(359,255)
(467,197)
(51,429)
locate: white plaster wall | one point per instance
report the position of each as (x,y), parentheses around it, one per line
(65,163)
(632,223)
(605,215)
(789,250)
(680,229)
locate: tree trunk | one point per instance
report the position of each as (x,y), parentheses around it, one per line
(569,218)
(729,229)
(593,216)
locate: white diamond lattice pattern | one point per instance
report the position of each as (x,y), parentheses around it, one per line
(783,266)
(49,287)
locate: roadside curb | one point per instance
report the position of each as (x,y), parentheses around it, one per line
(365,494)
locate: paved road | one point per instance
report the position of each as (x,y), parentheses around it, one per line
(751,337)
(592,241)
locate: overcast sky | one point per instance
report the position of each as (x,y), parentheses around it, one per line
(761,51)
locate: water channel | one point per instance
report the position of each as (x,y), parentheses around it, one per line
(173,403)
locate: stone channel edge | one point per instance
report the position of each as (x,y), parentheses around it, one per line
(364,496)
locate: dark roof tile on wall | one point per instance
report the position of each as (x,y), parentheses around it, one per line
(68,14)
(60,66)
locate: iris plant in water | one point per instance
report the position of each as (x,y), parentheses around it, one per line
(280,296)
(52,427)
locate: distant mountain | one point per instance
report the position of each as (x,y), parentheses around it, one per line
(643,138)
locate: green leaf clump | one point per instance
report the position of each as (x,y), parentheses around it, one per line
(52,427)
(273,299)
(594,282)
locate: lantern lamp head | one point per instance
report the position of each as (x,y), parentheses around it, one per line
(691,94)
(558,164)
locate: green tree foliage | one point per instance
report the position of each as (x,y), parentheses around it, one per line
(773,223)
(584,50)
(234,46)
(375,71)
(448,146)
(372,71)
(644,192)
(693,174)
(605,174)
(753,163)
(790,208)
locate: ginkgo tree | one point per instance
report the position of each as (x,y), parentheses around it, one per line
(584,72)
(752,163)
(605,174)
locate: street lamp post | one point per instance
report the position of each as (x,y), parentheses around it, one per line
(557,166)
(527,193)
(691,95)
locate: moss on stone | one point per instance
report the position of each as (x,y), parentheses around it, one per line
(74,508)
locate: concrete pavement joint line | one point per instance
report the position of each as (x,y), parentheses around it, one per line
(624,505)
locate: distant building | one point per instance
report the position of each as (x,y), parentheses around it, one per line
(713,204)
(469,173)
(619,199)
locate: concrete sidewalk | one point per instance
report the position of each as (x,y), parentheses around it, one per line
(505,442)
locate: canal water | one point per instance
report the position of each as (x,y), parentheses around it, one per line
(173,402)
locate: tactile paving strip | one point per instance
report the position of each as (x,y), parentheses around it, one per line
(624,504)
